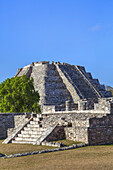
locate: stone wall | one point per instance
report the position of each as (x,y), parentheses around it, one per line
(68,106)
(78,134)
(96,105)
(9,120)
(76,125)
(100,130)
(104,104)
(92,128)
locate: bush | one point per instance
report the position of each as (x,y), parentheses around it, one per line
(18,95)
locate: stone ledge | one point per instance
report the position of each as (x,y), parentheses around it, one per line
(54,144)
(76,111)
(10,114)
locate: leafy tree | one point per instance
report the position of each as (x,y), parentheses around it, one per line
(18,95)
(109,88)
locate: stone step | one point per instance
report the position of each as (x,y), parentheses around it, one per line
(29,135)
(34,122)
(82,83)
(32,129)
(25,139)
(38,115)
(23,142)
(31,132)
(34,126)
(36,119)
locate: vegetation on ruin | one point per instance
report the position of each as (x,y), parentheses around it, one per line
(111,91)
(18,95)
(109,88)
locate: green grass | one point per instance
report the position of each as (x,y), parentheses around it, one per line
(67,142)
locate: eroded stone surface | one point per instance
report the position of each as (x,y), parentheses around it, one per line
(74,106)
(57,83)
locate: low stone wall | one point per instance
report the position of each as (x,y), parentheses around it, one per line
(9,120)
(76,125)
(54,144)
(100,130)
(93,129)
(89,127)
(95,105)
(79,134)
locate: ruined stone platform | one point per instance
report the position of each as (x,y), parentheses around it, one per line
(74,106)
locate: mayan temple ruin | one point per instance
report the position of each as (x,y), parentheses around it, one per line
(74,106)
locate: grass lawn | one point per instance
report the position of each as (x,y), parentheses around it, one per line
(86,158)
(67,142)
(20,148)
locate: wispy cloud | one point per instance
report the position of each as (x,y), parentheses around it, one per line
(95,27)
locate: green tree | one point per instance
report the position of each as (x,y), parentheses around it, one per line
(18,95)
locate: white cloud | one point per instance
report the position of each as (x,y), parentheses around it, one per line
(95,27)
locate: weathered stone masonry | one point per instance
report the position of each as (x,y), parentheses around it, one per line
(78,126)
(9,121)
(74,106)
(58,83)
(100,130)
(92,128)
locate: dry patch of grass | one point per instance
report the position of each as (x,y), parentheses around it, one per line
(20,148)
(87,158)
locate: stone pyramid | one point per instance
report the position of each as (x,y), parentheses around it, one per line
(60,82)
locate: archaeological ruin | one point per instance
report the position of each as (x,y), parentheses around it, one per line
(74,106)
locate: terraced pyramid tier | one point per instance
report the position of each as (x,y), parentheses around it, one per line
(58,83)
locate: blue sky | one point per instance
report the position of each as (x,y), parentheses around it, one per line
(78,32)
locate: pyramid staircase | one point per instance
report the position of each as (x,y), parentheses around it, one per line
(31,132)
(77,76)
(34,131)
